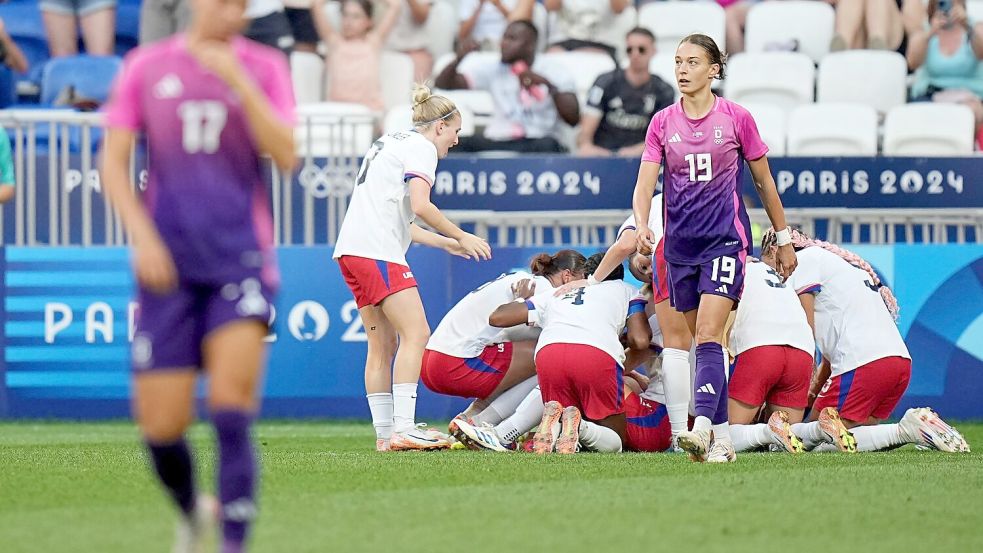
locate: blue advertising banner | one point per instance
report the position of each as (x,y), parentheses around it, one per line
(68,320)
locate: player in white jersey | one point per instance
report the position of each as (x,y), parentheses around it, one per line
(677,340)
(774,346)
(866,365)
(580,359)
(392,189)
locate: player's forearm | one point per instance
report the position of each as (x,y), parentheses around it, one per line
(433,217)
(272,135)
(641,200)
(117,187)
(768,193)
(508,315)
(616,255)
(427,238)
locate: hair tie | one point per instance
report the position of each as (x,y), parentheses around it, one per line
(423,100)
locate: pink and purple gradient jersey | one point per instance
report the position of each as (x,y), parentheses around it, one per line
(703,168)
(206,191)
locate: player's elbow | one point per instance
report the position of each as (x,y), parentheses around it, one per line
(639,339)
(500,318)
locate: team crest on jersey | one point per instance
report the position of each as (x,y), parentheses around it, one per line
(169,86)
(718,134)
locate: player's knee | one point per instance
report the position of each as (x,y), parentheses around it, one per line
(708,333)
(417,335)
(236,396)
(160,428)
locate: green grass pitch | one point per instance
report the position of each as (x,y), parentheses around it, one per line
(67,487)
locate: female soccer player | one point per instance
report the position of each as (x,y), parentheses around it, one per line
(702,142)
(866,364)
(392,189)
(210,104)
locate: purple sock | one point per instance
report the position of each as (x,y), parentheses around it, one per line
(710,387)
(721,416)
(174,467)
(236,475)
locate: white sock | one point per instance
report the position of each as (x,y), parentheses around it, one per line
(878,437)
(381,406)
(676,379)
(825,447)
(750,436)
(702,423)
(810,434)
(404,407)
(721,432)
(526,416)
(505,404)
(476,407)
(599,438)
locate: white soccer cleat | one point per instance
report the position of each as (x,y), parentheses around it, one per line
(484,437)
(925,428)
(696,443)
(721,452)
(455,431)
(782,434)
(194,530)
(416,440)
(434,433)
(381,444)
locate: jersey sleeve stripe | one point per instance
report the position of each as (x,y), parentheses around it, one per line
(530,305)
(411,175)
(636,306)
(810,289)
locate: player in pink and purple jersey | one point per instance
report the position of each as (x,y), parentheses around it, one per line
(702,142)
(209,103)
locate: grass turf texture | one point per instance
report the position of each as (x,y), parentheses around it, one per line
(87,487)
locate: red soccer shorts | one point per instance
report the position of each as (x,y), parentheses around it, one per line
(475,377)
(373,280)
(871,390)
(779,375)
(648,425)
(582,376)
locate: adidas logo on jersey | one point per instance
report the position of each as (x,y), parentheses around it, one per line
(707,389)
(722,289)
(675,138)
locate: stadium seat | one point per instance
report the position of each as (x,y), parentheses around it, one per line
(442,27)
(771,121)
(396,76)
(307,74)
(328,129)
(401,118)
(929,129)
(673,21)
(873,77)
(775,23)
(752,78)
(127,26)
(585,67)
(91,76)
(541,19)
(614,34)
(974,9)
(832,130)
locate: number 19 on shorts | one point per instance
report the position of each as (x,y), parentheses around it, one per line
(724,268)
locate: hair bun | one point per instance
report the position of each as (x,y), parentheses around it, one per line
(540,265)
(421,93)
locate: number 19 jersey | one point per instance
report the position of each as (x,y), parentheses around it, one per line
(377,223)
(703,168)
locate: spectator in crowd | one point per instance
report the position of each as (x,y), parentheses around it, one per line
(298,14)
(10,54)
(354,53)
(872,24)
(63,17)
(735,12)
(484,21)
(578,23)
(7,182)
(268,24)
(530,95)
(162,18)
(948,50)
(410,37)
(621,103)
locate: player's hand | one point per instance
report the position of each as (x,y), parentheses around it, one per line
(154,266)
(642,380)
(644,240)
(474,247)
(219,58)
(524,289)
(570,286)
(786,261)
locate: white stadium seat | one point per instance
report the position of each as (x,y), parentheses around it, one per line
(307,74)
(832,130)
(771,121)
(614,34)
(396,77)
(401,118)
(774,23)
(673,21)
(541,19)
(781,79)
(873,77)
(974,9)
(329,129)
(585,67)
(929,129)
(663,65)
(441,27)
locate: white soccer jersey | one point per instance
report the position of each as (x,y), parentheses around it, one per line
(769,314)
(377,224)
(464,331)
(853,326)
(655,219)
(593,315)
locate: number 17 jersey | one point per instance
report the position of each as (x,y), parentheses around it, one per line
(703,169)
(377,223)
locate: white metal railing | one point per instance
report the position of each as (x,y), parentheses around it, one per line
(59,199)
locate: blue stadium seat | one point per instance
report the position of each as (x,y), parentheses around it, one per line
(91,76)
(127,26)
(8,92)
(22,19)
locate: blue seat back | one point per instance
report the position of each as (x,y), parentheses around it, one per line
(92,76)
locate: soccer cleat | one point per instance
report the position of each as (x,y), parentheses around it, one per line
(721,452)
(925,428)
(434,433)
(416,440)
(381,444)
(674,445)
(831,424)
(483,437)
(696,443)
(782,434)
(549,428)
(195,529)
(569,438)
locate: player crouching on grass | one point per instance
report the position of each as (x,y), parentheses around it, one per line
(580,360)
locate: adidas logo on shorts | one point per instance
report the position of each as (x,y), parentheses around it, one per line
(722,289)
